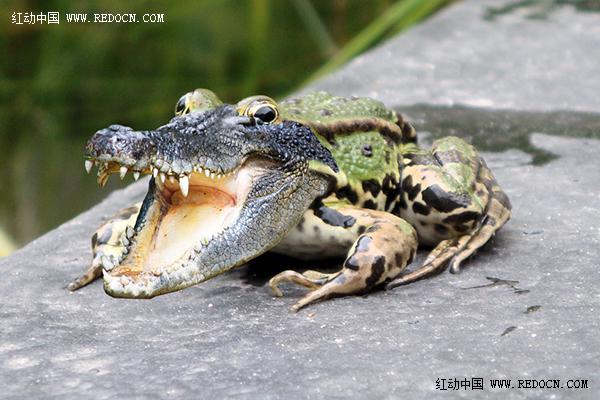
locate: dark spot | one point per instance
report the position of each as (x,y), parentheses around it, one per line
(94,239)
(377,270)
(423,223)
(391,132)
(410,190)
(370,204)
(371,186)
(316,230)
(462,228)
(391,190)
(324,112)
(441,229)
(398,259)
(346,192)
(443,201)
(373,228)
(419,208)
(334,217)
(466,216)
(408,133)
(508,330)
(361,229)
(414,191)
(531,309)
(367,150)
(389,185)
(386,156)
(300,225)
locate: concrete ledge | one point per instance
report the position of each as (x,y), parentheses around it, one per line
(526,307)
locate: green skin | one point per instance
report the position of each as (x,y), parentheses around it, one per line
(388,197)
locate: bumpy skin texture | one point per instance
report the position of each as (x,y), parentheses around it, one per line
(349,169)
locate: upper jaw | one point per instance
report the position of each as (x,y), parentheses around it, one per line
(186,145)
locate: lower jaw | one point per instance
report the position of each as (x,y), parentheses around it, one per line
(176,228)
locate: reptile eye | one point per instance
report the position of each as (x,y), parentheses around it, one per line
(180,106)
(261,108)
(266,114)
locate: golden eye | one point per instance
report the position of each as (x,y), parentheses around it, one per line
(262,108)
(180,107)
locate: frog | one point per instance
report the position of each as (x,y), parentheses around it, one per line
(311,177)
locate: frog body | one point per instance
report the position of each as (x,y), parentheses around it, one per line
(380,196)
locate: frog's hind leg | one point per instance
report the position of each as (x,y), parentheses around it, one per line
(386,244)
(458,203)
(107,245)
(497,214)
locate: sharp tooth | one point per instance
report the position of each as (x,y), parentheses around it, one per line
(199,169)
(155,172)
(172,178)
(207,173)
(88,165)
(212,175)
(129,232)
(184,184)
(163,177)
(123,172)
(125,241)
(136,175)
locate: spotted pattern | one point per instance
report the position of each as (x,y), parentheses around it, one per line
(387,194)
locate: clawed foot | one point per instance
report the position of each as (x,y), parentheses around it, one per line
(310,279)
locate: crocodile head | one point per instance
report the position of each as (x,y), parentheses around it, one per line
(228,183)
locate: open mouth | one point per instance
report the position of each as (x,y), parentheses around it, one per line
(187,213)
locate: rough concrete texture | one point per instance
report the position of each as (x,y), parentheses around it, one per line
(526,307)
(470,55)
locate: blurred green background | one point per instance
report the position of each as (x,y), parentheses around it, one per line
(60,83)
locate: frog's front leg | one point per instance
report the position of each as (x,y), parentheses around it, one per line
(385,244)
(451,197)
(107,244)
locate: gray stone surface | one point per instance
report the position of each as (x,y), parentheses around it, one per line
(462,57)
(526,307)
